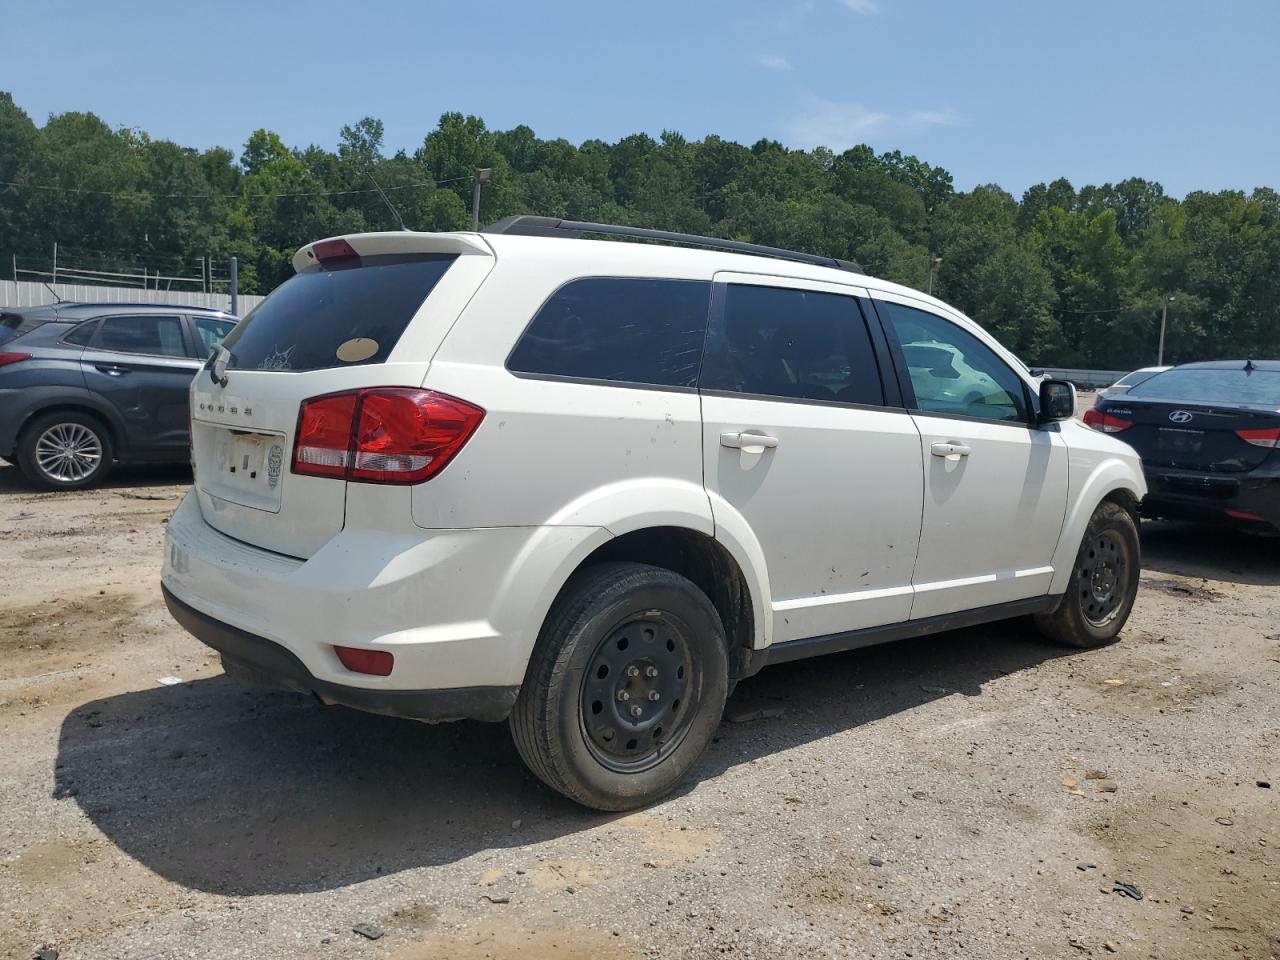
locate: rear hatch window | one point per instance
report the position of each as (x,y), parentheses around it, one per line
(342,313)
(15,325)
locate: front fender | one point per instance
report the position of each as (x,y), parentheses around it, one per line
(1103,479)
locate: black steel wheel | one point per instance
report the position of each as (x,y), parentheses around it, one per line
(1102,577)
(1103,585)
(625,687)
(639,692)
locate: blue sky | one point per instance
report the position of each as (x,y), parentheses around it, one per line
(1006,91)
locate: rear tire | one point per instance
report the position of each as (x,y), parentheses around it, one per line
(65,450)
(1103,585)
(625,688)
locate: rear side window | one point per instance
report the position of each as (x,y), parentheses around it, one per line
(797,344)
(627,330)
(340,315)
(210,333)
(83,334)
(153,335)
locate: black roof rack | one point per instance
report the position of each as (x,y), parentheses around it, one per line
(528,226)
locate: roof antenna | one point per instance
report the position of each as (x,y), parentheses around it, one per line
(385,199)
(1249,366)
(57,297)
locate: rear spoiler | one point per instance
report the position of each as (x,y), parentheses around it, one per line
(400,242)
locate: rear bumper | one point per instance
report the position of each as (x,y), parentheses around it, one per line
(459,610)
(254,658)
(1247,500)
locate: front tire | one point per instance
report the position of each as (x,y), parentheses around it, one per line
(625,688)
(1103,585)
(65,451)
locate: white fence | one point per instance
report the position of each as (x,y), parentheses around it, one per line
(22,293)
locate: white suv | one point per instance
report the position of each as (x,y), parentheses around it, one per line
(587,486)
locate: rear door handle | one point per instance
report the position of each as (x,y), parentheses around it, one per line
(748,441)
(951,451)
(112,369)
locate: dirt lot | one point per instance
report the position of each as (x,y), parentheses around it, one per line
(930,798)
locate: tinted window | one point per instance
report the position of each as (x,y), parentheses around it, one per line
(628,330)
(952,371)
(154,335)
(211,333)
(15,325)
(82,334)
(792,343)
(348,313)
(1213,385)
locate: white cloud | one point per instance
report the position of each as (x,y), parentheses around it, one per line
(840,125)
(861,6)
(773,61)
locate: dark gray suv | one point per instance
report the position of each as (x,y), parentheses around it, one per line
(87,385)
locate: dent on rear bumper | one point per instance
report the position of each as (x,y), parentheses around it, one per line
(448,604)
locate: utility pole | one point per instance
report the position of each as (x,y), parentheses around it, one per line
(1164,321)
(933,263)
(482,176)
(235,283)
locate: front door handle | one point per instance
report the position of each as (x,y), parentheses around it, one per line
(951,451)
(112,369)
(748,442)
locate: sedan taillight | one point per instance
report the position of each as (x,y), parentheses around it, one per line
(8,358)
(1105,422)
(1268,437)
(382,434)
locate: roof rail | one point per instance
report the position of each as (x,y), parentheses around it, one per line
(529,226)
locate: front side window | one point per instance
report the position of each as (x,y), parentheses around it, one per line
(952,371)
(621,329)
(152,335)
(211,333)
(796,344)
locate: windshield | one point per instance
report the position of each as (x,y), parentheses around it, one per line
(337,316)
(1213,385)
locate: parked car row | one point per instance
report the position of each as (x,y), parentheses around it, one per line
(87,385)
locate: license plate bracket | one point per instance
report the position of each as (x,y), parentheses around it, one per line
(1173,440)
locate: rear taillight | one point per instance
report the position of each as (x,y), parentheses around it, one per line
(322,445)
(382,434)
(8,358)
(377,663)
(1105,422)
(1269,437)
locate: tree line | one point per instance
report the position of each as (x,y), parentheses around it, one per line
(1064,276)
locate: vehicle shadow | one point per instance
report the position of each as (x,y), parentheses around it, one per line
(1211,552)
(12,482)
(241,791)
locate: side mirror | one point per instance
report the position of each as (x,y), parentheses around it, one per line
(1057,400)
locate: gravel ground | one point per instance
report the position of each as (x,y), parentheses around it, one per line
(978,793)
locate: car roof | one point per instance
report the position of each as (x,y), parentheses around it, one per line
(1270,365)
(69,310)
